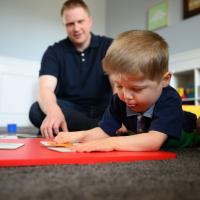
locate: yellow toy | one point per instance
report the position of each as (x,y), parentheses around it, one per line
(192,109)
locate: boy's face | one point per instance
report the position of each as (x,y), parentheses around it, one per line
(139,94)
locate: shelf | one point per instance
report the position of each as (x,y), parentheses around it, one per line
(187,84)
(186,75)
(188,99)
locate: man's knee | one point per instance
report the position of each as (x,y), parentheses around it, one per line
(36,115)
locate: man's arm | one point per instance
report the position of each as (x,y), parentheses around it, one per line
(47,100)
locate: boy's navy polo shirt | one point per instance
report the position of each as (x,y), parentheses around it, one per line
(166,115)
(80,76)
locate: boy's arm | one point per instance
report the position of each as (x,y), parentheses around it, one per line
(81,136)
(151,141)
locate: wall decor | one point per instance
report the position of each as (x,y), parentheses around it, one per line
(158,15)
(191,8)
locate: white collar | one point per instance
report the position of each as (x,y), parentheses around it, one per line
(148,113)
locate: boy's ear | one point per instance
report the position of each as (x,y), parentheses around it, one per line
(166,79)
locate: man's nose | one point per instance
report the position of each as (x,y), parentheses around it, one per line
(76,26)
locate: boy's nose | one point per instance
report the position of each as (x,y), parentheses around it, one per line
(127,95)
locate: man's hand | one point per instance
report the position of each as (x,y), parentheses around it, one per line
(52,123)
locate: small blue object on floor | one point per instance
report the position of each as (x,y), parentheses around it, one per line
(11,128)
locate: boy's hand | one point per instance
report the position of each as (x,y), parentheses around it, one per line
(95,145)
(64,137)
(80,136)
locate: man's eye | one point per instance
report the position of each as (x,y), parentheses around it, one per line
(80,21)
(69,24)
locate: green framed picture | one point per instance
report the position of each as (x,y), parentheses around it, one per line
(158,16)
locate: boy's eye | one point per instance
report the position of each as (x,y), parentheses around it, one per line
(137,89)
(118,87)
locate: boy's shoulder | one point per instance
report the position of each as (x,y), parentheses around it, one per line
(169,101)
(117,101)
(169,93)
(117,104)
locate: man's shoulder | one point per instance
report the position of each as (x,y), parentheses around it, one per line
(100,39)
(59,47)
(59,43)
(103,37)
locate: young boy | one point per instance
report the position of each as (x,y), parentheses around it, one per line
(137,62)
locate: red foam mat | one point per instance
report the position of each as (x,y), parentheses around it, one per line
(33,153)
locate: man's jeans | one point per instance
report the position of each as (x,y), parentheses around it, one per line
(77,117)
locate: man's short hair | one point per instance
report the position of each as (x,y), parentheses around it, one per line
(74,4)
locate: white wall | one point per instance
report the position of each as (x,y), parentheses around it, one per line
(17,89)
(98,11)
(182,35)
(28,27)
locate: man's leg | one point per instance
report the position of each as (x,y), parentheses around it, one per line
(76,120)
(36,116)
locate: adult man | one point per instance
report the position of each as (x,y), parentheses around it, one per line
(73,90)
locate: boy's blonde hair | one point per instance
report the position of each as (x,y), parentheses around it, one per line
(74,4)
(138,52)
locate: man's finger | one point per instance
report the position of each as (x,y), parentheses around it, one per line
(64,126)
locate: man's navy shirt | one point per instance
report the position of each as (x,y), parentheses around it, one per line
(166,115)
(80,76)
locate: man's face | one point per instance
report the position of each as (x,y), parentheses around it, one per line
(139,94)
(78,25)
